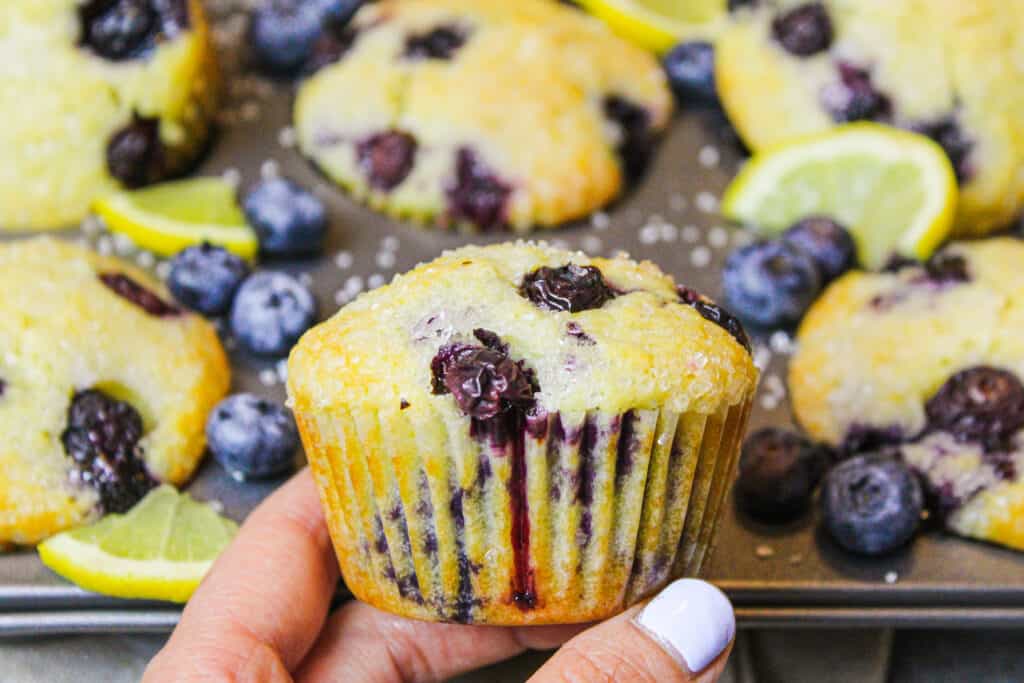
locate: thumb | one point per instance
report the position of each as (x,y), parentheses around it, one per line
(683,635)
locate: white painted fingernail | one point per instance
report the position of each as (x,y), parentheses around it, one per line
(692,620)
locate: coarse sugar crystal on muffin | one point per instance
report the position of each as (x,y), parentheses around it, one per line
(481,114)
(104,387)
(97,95)
(949,69)
(520,434)
(927,361)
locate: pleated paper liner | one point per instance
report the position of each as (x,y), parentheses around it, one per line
(524,519)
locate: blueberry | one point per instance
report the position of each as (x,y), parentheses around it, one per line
(130,290)
(827,242)
(387,158)
(289,220)
(283,33)
(945,268)
(478,195)
(484,381)
(804,30)
(636,140)
(957,144)
(779,470)
(136,155)
(570,288)
(982,403)
(205,278)
(252,437)
(102,439)
(691,71)
(770,283)
(118,30)
(854,97)
(438,43)
(271,311)
(871,504)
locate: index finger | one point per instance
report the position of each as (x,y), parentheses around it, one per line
(261,607)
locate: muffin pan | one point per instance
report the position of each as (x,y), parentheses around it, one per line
(784,575)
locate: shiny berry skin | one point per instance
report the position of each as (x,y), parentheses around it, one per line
(251,437)
(827,242)
(982,404)
(690,68)
(130,290)
(805,30)
(871,504)
(102,438)
(771,283)
(288,220)
(570,288)
(283,33)
(779,470)
(206,277)
(270,312)
(484,381)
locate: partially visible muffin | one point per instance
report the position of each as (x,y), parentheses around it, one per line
(105,386)
(950,69)
(928,361)
(95,95)
(519,434)
(481,114)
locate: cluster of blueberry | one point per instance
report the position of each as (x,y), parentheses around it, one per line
(771,283)
(267,312)
(871,501)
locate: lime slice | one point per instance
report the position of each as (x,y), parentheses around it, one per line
(159,550)
(168,217)
(659,24)
(894,190)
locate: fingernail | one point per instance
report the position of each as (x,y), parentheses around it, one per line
(692,620)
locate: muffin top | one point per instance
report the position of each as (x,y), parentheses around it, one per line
(877,347)
(578,333)
(949,69)
(90,345)
(481,114)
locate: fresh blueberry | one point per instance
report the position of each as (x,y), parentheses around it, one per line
(871,504)
(289,220)
(771,283)
(691,71)
(252,437)
(827,242)
(271,311)
(205,278)
(804,30)
(283,33)
(982,403)
(779,470)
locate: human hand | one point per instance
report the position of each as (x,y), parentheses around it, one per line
(261,615)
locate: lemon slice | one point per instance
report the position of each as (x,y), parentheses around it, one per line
(159,550)
(169,217)
(894,190)
(659,24)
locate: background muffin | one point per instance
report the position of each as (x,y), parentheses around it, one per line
(94,95)
(104,387)
(520,434)
(952,70)
(481,115)
(928,361)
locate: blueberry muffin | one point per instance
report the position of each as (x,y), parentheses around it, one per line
(950,69)
(481,114)
(518,434)
(96,95)
(104,387)
(928,361)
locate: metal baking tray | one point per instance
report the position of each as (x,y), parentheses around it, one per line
(776,576)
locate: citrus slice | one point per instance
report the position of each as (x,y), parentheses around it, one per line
(659,24)
(159,550)
(169,217)
(895,191)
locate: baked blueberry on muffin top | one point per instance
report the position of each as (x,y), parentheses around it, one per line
(520,434)
(481,115)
